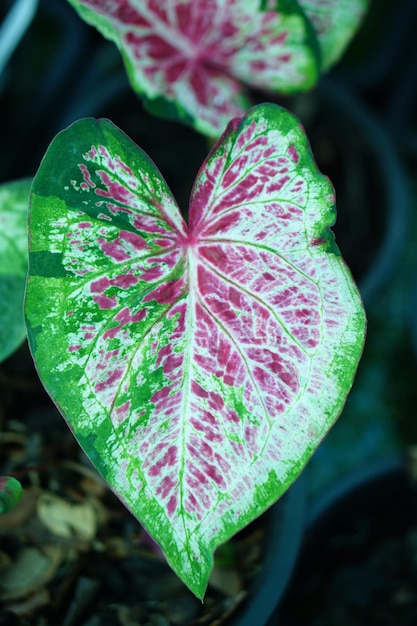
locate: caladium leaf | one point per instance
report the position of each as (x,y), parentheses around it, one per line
(187,57)
(335,22)
(10,493)
(198,365)
(14,199)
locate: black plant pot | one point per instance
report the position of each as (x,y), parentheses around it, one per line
(39,80)
(359,560)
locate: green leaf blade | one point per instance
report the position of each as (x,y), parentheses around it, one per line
(14,198)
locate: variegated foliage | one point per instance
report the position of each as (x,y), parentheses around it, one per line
(189,58)
(199,365)
(192,59)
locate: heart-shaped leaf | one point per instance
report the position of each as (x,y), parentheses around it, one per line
(14,198)
(199,366)
(187,57)
(335,22)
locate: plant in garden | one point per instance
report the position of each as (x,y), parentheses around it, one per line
(191,58)
(198,364)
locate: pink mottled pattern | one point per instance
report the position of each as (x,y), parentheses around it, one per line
(200,339)
(196,52)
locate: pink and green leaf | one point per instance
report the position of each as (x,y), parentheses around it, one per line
(188,58)
(10,493)
(14,198)
(198,365)
(335,23)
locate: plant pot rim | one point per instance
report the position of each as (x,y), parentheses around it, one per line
(371,472)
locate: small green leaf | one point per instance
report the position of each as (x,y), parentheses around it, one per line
(13,263)
(10,493)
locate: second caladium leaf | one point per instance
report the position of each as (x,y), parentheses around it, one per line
(187,57)
(198,365)
(335,22)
